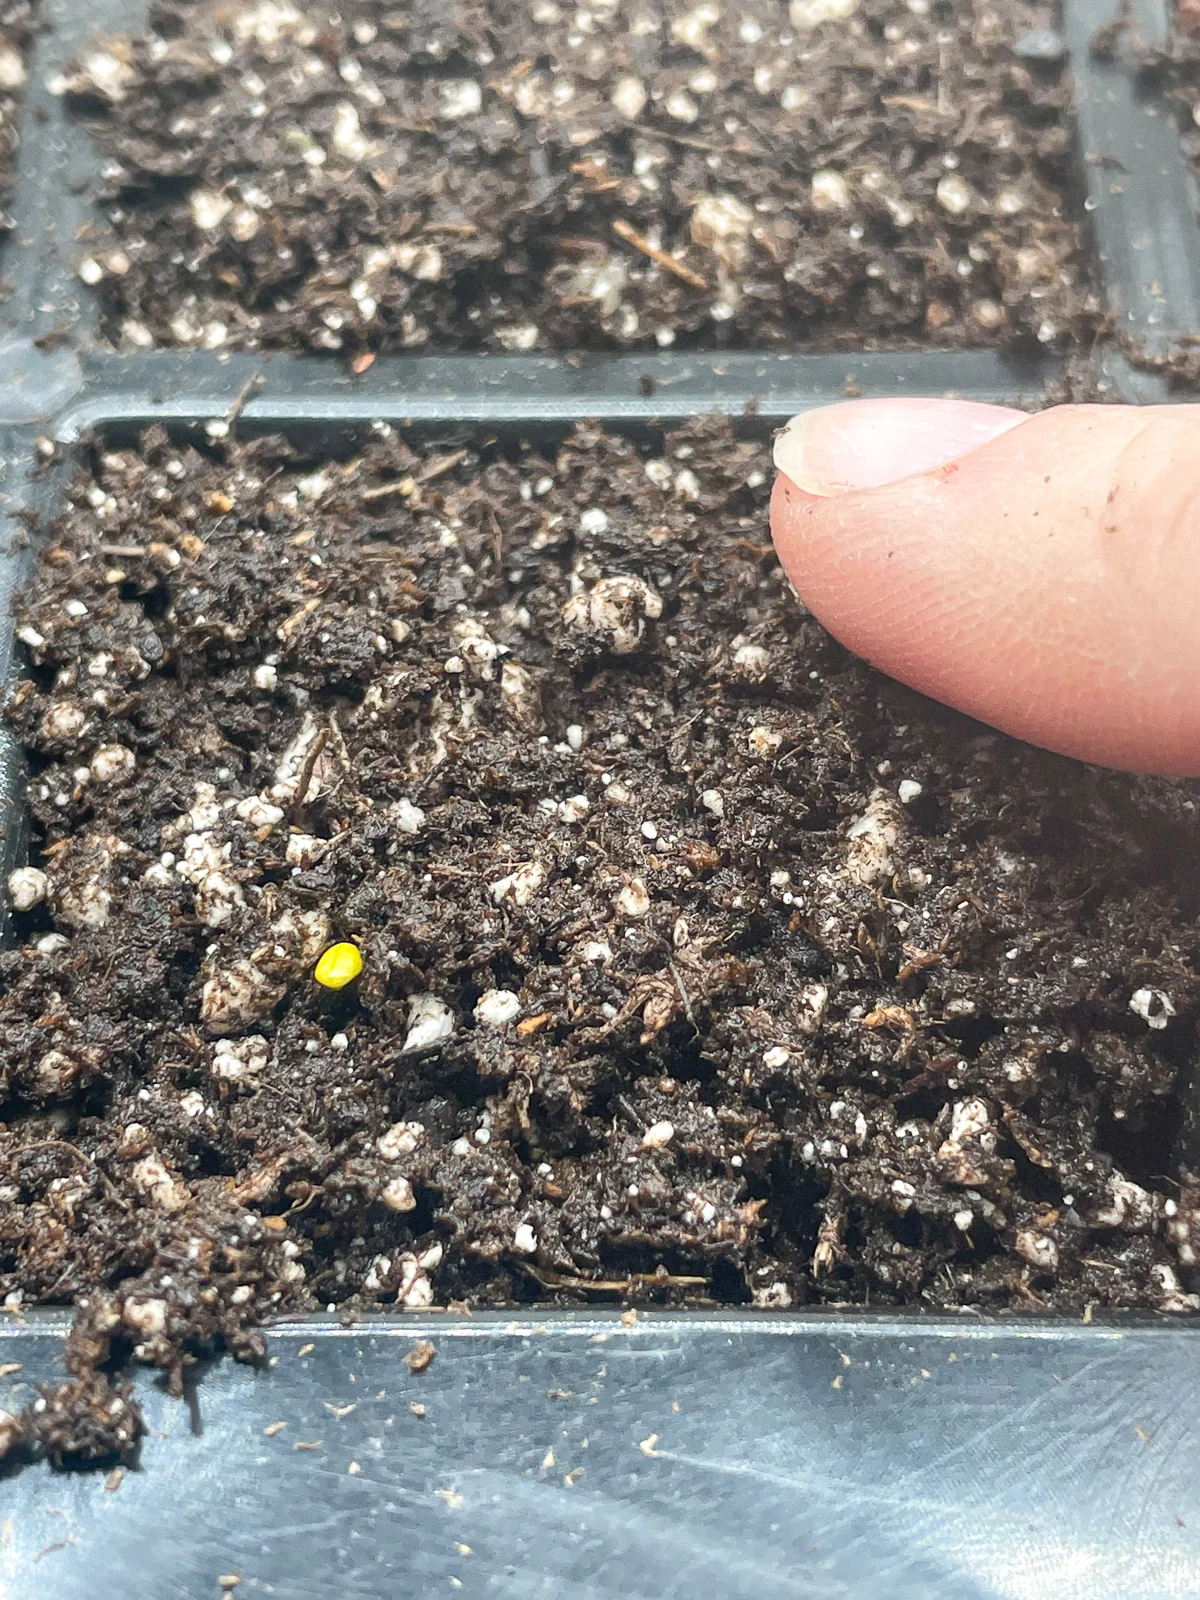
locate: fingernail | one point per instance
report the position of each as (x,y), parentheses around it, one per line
(863,444)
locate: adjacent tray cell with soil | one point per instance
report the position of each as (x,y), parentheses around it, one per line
(530,174)
(700,965)
(1173,70)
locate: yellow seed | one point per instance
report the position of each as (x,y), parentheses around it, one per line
(340,965)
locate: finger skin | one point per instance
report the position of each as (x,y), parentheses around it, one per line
(1047,583)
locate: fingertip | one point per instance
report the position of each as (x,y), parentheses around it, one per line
(826,546)
(790,507)
(1047,583)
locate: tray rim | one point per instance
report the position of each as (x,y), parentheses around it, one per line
(94,388)
(523,1322)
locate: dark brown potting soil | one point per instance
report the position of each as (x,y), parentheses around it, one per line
(701,965)
(484,174)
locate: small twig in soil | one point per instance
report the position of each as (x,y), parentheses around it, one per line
(919,959)
(944,107)
(238,404)
(635,1280)
(596,176)
(570,246)
(497,538)
(911,102)
(303,1205)
(625,230)
(630,1110)
(684,996)
(306,771)
(88,1161)
(682,138)
(289,625)
(440,464)
(404,486)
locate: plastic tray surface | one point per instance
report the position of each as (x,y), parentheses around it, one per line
(817,1456)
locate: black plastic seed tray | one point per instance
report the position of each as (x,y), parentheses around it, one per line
(821,1455)
(744,1458)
